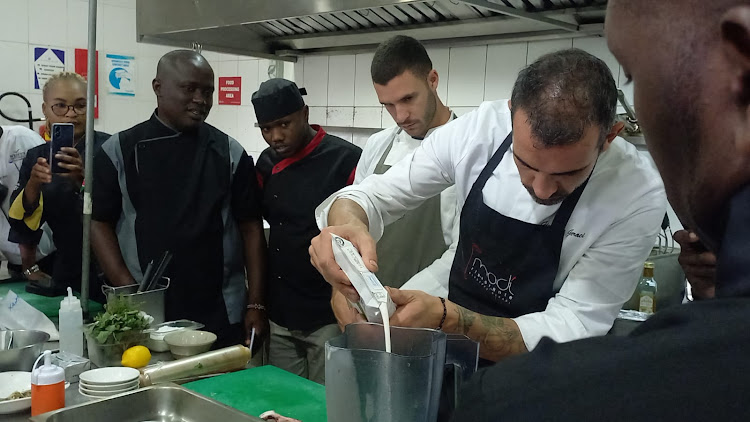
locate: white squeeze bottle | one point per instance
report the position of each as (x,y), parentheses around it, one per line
(71,325)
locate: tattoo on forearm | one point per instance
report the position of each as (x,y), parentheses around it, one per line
(465,320)
(498,338)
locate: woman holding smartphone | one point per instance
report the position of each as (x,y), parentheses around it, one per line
(55,196)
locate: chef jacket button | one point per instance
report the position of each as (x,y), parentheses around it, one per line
(280,223)
(279,277)
(276,196)
(277,249)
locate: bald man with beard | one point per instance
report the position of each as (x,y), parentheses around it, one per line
(689,62)
(175,183)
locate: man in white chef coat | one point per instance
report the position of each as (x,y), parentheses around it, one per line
(416,251)
(558,214)
(689,362)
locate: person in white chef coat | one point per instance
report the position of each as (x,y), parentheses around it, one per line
(558,214)
(416,251)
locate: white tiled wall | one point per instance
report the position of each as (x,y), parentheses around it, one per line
(26,25)
(467,76)
(339,88)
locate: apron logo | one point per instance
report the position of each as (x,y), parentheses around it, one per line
(498,287)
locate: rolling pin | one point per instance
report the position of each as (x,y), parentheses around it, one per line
(227,359)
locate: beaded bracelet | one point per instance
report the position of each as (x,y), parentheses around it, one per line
(445,312)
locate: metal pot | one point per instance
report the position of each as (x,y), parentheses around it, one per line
(27,345)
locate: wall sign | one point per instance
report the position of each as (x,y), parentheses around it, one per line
(121,75)
(230,90)
(47,62)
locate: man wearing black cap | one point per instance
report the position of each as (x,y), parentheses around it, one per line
(302,166)
(175,183)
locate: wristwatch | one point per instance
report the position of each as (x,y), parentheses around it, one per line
(33,269)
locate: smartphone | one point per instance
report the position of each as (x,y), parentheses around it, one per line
(62,136)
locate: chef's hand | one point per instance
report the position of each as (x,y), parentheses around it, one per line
(256,318)
(321,255)
(70,159)
(698,263)
(415,308)
(345,313)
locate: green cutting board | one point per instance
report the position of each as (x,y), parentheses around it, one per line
(49,306)
(257,390)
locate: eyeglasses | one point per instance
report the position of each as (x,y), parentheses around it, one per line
(61,109)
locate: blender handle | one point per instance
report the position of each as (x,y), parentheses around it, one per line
(462,355)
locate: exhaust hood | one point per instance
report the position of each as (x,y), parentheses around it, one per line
(284,29)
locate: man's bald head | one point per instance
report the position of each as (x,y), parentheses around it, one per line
(689,61)
(184,87)
(172,62)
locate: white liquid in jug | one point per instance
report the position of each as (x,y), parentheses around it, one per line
(386,326)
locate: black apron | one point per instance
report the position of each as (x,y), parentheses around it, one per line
(506,267)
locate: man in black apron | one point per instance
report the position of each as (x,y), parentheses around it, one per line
(521,189)
(416,250)
(175,183)
(688,362)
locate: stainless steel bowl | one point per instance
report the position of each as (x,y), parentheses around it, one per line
(26,347)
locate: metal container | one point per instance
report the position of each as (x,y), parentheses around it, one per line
(167,402)
(150,302)
(223,360)
(26,347)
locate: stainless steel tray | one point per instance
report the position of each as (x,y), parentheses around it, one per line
(163,403)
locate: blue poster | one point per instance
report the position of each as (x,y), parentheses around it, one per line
(121,75)
(47,62)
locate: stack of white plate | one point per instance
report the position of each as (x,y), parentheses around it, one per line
(105,382)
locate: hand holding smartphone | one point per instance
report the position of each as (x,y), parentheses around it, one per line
(62,136)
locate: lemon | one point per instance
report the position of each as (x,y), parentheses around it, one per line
(136,357)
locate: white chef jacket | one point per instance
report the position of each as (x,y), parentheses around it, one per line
(432,279)
(14,143)
(608,237)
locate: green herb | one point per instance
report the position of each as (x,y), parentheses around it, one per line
(120,321)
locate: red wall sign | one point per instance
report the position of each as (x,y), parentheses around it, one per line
(230,90)
(81,67)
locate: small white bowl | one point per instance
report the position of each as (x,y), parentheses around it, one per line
(109,376)
(11,382)
(186,343)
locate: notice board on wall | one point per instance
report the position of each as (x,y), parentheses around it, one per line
(230,90)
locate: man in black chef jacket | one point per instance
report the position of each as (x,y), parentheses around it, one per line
(175,183)
(302,166)
(689,62)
